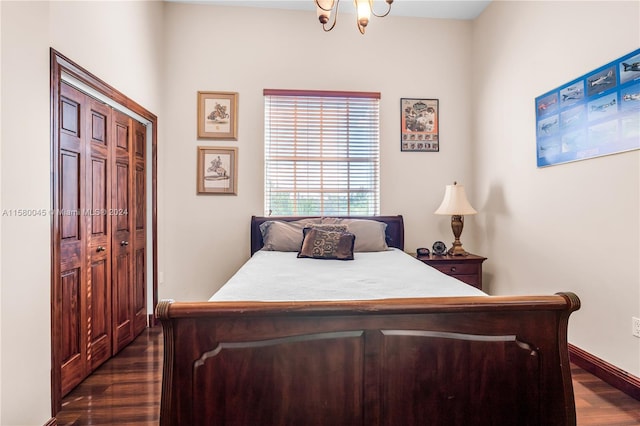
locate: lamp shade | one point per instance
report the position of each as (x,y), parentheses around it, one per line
(455,202)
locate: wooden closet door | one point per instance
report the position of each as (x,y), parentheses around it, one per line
(121,244)
(140,229)
(96,215)
(98,243)
(70,307)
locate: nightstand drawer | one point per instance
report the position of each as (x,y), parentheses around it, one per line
(459,268)
(467,269)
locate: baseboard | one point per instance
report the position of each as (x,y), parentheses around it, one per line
(610,374)
(51,422)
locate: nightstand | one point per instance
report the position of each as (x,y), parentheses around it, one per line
(467,269)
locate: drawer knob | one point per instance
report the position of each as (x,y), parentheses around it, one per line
(453,269)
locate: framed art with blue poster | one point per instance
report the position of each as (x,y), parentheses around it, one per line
(594,115)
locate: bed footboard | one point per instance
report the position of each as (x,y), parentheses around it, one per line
(438,361)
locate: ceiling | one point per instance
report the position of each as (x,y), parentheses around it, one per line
(447,9)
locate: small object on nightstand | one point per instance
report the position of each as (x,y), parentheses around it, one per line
(439,248)
(422,251)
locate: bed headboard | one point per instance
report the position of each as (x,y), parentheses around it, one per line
(394,232)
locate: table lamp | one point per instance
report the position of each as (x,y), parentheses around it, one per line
(455,203)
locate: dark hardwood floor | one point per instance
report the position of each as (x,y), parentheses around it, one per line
(599,404)
(123,391)
(126,390)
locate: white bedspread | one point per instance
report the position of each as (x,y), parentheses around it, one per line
(271,276)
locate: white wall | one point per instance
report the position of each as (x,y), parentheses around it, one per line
(25,243)
(211,48)
(0,221)
(128,58)
(571,227)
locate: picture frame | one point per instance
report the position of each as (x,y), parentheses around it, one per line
(419,125)
(217,170)
(218,115)
(594,115)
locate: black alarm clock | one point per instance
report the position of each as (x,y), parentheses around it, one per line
(439,248)
(422,251)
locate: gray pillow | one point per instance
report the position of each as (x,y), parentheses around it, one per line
(370,234)
(278,235)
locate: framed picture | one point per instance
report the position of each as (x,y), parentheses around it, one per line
(594,115)
(217,170)
(419,125)
(218,115)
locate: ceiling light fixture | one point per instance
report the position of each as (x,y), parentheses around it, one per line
(364,9)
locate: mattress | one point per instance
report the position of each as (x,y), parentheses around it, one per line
(274,276)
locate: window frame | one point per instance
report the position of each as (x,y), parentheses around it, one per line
(346,136)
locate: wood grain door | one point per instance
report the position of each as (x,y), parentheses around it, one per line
(70,307)
(121,244)
(98,204)
(100,298)
(99,250)
(140,229)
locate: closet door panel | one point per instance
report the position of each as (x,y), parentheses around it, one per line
(70,193)
(73,348)
(139,189)
(71,332)
(121,244)
(120,211)
(70,305)
(98,208)
(99,229)
(71,119)
(123,332)
(100,324)
(140,293)
(140,229)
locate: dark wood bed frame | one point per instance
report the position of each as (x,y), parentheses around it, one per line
(493,360)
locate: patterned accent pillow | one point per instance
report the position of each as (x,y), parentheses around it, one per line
(329,227)
(321,244)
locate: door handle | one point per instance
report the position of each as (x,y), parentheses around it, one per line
(124,243)
(100,248)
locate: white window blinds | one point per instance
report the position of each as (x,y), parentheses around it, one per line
(321,153)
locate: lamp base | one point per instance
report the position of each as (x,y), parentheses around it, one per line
(457,250)
(457,223)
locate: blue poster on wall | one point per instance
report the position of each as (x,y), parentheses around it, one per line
(594,115)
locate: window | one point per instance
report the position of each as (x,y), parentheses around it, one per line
(321,153)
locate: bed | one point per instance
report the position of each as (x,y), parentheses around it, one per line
(468,359)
